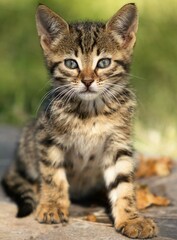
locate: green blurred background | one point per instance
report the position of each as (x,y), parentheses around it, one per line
(24,79)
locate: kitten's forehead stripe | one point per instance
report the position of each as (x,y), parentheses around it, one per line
(76,52)
(79,39)
(87,35)
(98,52)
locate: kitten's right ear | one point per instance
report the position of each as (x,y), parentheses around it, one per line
(49,26)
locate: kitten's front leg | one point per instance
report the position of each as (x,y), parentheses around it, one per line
(54,200)
(119,180)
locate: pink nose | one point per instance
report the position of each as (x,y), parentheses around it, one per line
(87,82)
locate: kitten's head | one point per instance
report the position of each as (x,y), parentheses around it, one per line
(88,59)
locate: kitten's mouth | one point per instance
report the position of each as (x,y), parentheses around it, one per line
(87,91)
(88,94)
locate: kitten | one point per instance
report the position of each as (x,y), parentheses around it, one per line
(81,141)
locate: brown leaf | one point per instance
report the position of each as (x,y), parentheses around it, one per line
(145,198)
(91,218)
(149,166)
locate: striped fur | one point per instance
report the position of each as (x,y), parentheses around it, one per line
(81,140)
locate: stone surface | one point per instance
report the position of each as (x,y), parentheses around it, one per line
(27,228)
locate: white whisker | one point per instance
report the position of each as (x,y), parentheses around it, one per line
(71,95)
(66,96)
(134,76)
(57,96)
(111,95)
(52,91)
(43,99)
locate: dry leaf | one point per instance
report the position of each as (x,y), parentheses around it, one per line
(91,218)
(149,166)
(145,198)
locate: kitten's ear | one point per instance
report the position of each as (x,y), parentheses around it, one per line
(125,25)
(49,26)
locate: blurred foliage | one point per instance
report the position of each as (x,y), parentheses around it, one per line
(24,79)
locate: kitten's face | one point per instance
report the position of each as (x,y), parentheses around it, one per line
(89,64)
(88,59)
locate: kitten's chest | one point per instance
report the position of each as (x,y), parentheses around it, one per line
(85,152)
(85,141)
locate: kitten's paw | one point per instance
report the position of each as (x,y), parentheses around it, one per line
(51,214)
(139,227)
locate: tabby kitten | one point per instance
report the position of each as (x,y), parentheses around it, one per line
(81,141)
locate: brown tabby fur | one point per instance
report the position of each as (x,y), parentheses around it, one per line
(81,140)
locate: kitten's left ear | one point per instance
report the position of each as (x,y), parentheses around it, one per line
(124,25)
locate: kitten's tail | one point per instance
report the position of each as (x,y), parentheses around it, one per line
(21,191)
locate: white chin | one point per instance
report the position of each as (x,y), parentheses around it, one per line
(88,96)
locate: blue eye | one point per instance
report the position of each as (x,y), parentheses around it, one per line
(104,63)
(71,63)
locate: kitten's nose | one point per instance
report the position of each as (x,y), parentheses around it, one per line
(87,82)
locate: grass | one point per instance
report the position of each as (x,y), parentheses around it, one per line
(24,78)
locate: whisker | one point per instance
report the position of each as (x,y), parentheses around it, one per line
(106,96)
(57,96)
(47,83)
(134,76)
(52,91)
(118,93)
(66,96)
(112,95)
(71,95)
(42,100)
(118,86)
